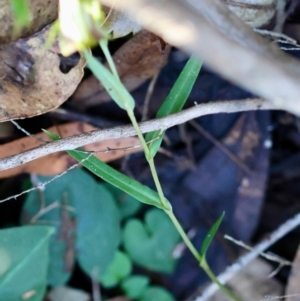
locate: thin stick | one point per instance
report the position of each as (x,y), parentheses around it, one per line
(269,256)
(232,270)
(234,158)
(96,285)
(27,133)
(148,96)
(76,141)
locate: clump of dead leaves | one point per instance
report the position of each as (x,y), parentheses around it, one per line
(31,83)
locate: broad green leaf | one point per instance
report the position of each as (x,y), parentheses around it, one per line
(118,269)
(21,13)
(98,228)
(210,235)
(127,204)
(150,244)
(156,293)
(24,258)
(85,211)
(135,286)
(58,272)
(113,86)
(175,100)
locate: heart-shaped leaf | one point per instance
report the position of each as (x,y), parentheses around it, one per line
(135,286)
(76,203)
(24,258)
(151,244)
(156,293)
(119,268)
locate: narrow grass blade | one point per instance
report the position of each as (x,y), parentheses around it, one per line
(112,84)
(137,190)
(21,13)
(210,235)
(134,188)
(175,100)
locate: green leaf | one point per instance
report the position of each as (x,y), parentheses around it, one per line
(119,268)
(156,293)
(113,86)
(21,13)
(151,244)
(86,211)
(210,235)
(24,259)
(137,190)
(135,286)
(127,204)
(175,100)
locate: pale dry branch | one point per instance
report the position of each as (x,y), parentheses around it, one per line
(232,270)
(227,45)
(74,142)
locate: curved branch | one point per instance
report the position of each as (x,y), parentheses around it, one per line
(127,131)
(227,45)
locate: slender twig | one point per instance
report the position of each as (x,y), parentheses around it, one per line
(269,256)
(148,96)
(74,142)
(26,132)
(96,285)
(232,270)
(233,157)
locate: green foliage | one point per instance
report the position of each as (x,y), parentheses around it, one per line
(127,204)
(21,12)
(150,244)
(132,187)
(119,268)
(135,286)
(97,223)
(175,100)
(24,259)
(112,85)
(156,293)
(210,235)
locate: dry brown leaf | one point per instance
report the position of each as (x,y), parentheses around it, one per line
(136,61)
(119,24)
(43,12)
(58,162)
(252,283)
(31,81)
(256,13)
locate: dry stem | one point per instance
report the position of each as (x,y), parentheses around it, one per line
(74,142)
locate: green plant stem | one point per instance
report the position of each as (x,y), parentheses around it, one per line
(183,235)
(185,238)
(160,191)
(104,46)
(201,259)
(214,279)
